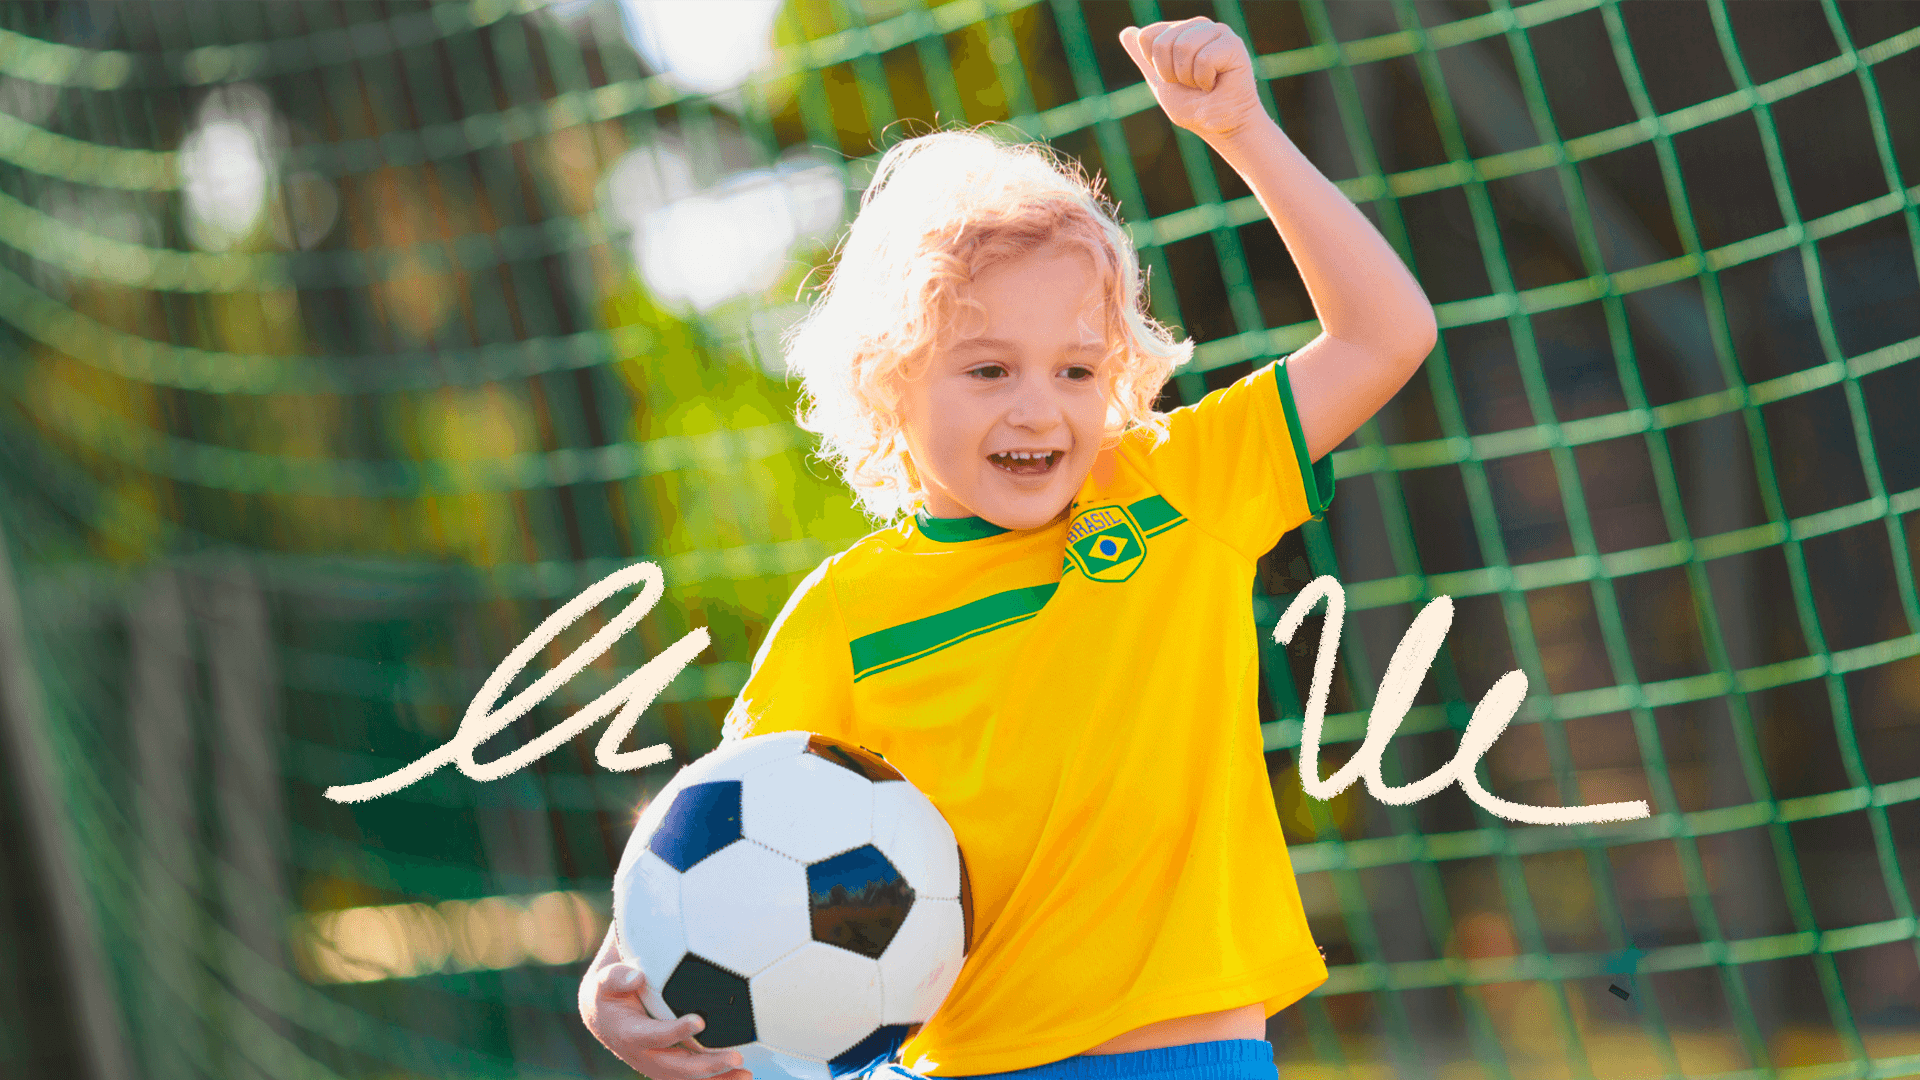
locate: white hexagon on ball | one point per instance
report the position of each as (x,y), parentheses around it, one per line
(648,899)
(807,808)
(910,832)
(733,759)
(746,907)
(911,988)
(817,1001)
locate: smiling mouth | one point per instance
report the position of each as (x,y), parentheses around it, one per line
(1026,466)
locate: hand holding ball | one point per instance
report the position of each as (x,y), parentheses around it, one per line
(801,896)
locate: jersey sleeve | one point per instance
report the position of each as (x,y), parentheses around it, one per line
(802,677)
(1235,463)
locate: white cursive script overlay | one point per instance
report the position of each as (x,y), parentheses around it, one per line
(631,695)
(634,693)
(1397,688)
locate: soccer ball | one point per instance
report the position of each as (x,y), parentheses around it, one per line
(801,896)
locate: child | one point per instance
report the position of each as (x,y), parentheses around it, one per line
(1058,646)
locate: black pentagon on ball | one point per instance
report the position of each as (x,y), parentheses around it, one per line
(858,900)
(858,759)
(879,1044)
(703,819)
(717,995)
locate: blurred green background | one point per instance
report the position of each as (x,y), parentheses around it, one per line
(344,341)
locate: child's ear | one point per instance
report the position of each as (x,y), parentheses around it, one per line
(906,465)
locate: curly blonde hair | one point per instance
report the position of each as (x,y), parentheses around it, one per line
(941,209)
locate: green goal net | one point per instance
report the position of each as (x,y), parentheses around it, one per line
(343,342)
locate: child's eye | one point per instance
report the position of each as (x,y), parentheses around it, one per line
(983,371)
(1079,374)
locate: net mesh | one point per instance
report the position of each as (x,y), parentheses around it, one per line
(345,342)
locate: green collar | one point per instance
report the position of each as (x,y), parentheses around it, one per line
(955,530)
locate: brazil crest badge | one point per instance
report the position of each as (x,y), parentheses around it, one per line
(1105,544)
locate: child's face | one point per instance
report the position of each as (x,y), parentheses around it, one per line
(1029,382)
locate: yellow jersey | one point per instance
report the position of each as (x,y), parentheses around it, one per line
(1079,701)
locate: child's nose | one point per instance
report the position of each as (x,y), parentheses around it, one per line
(1034,407)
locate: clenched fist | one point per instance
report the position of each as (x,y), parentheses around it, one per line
(1200,73)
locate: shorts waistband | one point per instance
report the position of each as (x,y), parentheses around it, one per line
(1224,1059)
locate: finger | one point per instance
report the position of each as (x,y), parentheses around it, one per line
(633,1029)
(702,1071)
(625,978)
(590,982)
(1162,52)
(1166,46)
(708,1064)
(685,1028)
(1144,39)
(1130,40)
(678,1064)
(1187,43)
(621,978)
(608,956)
(683,1065)
(1214,59)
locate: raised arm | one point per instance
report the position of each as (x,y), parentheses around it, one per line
(1376,325)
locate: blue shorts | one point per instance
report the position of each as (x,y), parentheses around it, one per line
(1226,1059)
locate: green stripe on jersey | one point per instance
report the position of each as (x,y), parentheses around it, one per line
(898,645)
(1154,514)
